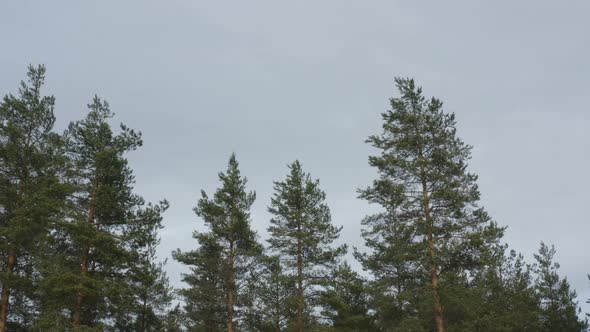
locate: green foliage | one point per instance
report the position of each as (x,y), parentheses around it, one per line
(78,246)
(102,252)
(150,294)
(31,194)
(101,209)
(345,301)
(228,213)
(431,220)
(205,298)
(559,309)
(500,297)
(302,234)
(273,297)
(226,255)
(301,214)
(174,321)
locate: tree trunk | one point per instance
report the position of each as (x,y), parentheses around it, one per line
(84,265)
(80,295)
(277,313)
(230,290)
(299,285)
(5,299)
(438,315)
(210,326)
(11,263)
(143,314)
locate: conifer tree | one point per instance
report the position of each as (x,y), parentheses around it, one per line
(31,194)
(96,250)
(302,234)
(205,299)
(230,238)
(104,205)
(273,301)
(150,293)
(559,308)
(174,320)
(345,301)
(501,297)
(431,227)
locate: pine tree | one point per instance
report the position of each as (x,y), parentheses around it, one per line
(104,204)
(559,308)
(273,306)
(501,297)
(396,289)
(174,320)
(431,227)
(345,301)
(302,234)
(205,299)
(226,254)
(95,249)
(31,194)
(150,292)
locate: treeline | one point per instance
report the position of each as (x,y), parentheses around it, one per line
(78,246)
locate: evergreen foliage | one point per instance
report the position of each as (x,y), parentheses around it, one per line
(205,299)
(31,195)
(301,231)
(431,232)
(102,210)
(345,301)
(234,245)
(559,309)
(78,247)
(103,251)
(274,306)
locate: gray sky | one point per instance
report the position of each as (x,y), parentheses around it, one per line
(275,81)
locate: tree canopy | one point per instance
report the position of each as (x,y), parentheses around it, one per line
(79,245)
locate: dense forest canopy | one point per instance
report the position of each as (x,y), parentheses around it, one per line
(78,244)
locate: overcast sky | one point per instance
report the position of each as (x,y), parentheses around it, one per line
(274,81)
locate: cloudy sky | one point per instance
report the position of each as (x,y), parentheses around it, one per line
(275,81)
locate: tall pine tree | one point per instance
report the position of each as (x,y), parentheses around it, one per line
(273,302)
(31,194)
(104,203)
(431,227)
(230,240)
(150,294)
(206,297)
(88,282)
(559,309)
(302,234)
